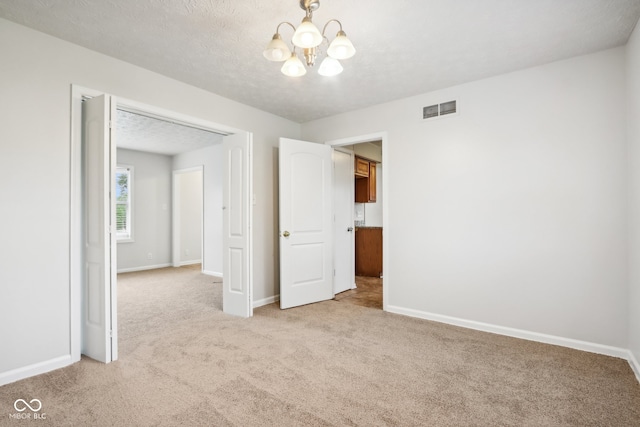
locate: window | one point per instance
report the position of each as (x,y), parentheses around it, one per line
(124,180)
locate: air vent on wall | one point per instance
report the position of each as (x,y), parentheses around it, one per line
(448,108)
(430,111)
(436,110)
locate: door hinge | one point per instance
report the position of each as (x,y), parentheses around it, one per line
(110,333)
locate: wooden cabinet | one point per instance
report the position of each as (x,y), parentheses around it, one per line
(361,167)
(365,190)
(369,251)
(372,182)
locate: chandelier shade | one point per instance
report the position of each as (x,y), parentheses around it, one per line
(293,67)
(309,42)
(330,67)
(341,47)
(277,49)
(307,35)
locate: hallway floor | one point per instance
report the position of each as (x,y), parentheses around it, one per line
(368,293)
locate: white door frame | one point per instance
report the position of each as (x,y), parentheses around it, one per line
(78,93)
(377,136)
(175,216)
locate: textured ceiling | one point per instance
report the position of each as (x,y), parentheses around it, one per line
(141,133)
(403,48)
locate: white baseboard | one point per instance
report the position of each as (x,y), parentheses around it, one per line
(144,267)
(195,261)
(62,361)
(212,273)
(516,333)
(634,365)
(35,369)
(266,301)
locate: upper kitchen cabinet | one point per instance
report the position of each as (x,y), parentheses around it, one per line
(361,167)
(365,172)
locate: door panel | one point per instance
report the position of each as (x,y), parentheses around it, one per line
(98,320)
(343,189)
(306,252)
(237,278)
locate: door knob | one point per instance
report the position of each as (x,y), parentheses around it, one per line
(350,229)
(286,234)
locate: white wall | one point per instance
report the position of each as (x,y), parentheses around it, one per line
(211,159)
(512,213)
(191,217)
(633,121)
(367,150)
(35,86)
(151,197)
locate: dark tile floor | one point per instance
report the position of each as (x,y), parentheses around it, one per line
(368,293)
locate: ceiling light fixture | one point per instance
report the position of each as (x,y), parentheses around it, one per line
(308,39)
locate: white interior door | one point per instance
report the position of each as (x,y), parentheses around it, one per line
(237,257)
(306,252)
(344,236)
(99,331)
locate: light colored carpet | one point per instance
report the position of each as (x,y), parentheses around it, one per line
(184,362)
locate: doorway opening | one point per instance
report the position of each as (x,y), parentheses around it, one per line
(166,194)
(93,298)
(370,221)
(315,236)
(366,252)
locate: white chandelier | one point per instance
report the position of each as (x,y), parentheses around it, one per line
(308,38)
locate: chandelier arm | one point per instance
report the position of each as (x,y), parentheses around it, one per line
(329,22)
(288,23)
(294,30)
